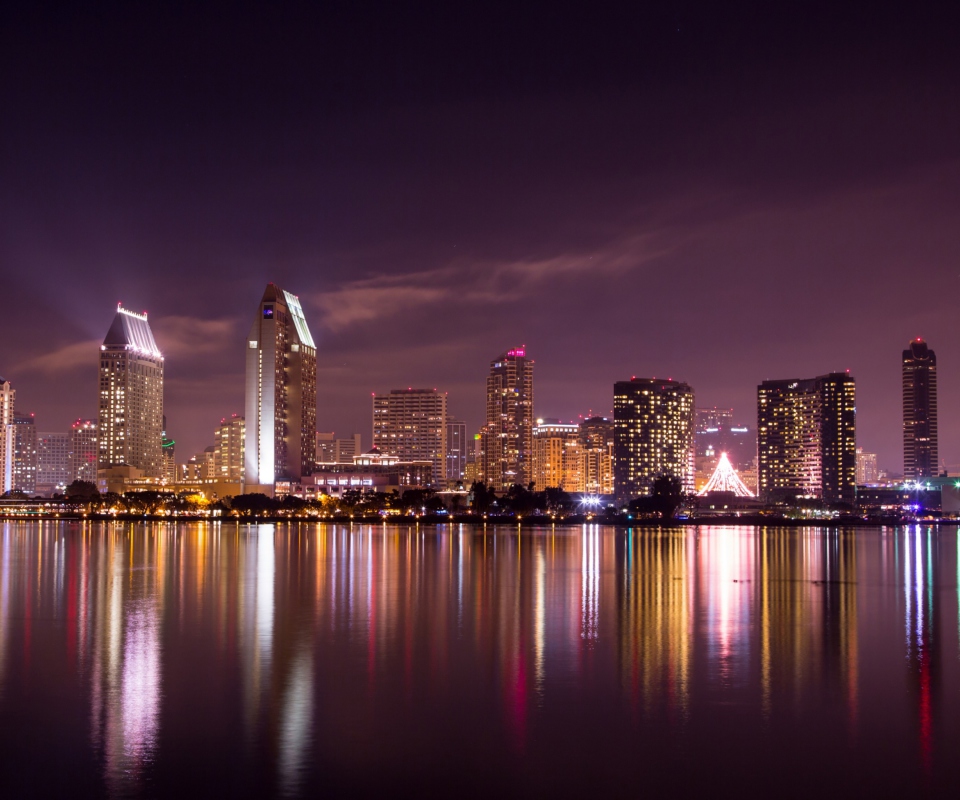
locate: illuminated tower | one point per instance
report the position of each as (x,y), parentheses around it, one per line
(130,422)
(920,451)
(653,435)
(556,456)
(228,443)
(7,396)
(281,394)
(457,449)
(24,453)
(806,438)
(507,438)
(412,425)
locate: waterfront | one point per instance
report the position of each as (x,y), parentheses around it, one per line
(202,659)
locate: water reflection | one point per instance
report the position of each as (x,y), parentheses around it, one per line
(295,655)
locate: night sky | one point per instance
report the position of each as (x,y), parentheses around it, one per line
(720,193)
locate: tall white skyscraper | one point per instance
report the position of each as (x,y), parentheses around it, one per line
(281,394)
(130,422)
(7,396)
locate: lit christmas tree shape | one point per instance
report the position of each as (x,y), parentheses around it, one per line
(725,479)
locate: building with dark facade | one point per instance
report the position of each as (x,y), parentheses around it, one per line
(653,435)
(806,438)
(84,450)
(920,445)
(281,394)
(24,453)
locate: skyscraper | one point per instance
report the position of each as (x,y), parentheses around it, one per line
(596,455)
(228,444)
(84,451)
(653,435)
(507,436)
(556,456)
(806,438)
(53,462)
(920,446)
(7,397)
(457,449)
(412,425)
(24,453)
(281,393)
(130,422)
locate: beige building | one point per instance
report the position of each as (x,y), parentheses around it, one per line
(557,457)
(411,424)
(84,451)
(7,397)
(228,449)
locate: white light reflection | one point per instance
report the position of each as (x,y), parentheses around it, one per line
(296,723)
(590,583)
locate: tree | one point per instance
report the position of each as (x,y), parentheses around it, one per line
(482,497)
(84,491)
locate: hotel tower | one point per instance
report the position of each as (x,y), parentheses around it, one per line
(130,418)
(920,446)
(281,394)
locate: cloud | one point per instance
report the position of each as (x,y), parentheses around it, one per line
(474,282)
(186,338)
(79,355)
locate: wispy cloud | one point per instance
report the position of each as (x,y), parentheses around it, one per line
(185,338)
(79,355)
(473,282)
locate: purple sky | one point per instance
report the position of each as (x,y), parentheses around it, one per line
(718,195)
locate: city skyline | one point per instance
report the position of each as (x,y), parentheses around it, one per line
(433,206)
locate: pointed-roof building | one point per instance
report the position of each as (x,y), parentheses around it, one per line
(130,419)
(281,394)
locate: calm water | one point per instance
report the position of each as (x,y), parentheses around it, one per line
(318,660)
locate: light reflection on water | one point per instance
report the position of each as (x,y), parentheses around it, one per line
(152,660)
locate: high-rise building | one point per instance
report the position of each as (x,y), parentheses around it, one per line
(24,453)
(7,397)
(806,438)
(457,449)
(84,451)
(716,433)
(228,443)
(596,455)
(130,422)
(331,450)
(168,449)
(281,393)
(53,462)
(412,425)
(866,468)
(507,437)
(653,435)
(920,445)
(556,456)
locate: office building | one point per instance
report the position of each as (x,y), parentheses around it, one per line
(411,424)
(507,437)
(806,438)
(24,454)
(53,463)
(458,448)
(7,397)
(866,467)
(84,451)
(281,394)
(920,445)
(331,450)
(596,455)
(130,421)
(228,449)
(653,435)
(556,456)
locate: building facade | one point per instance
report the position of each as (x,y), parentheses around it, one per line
(458,449)
(556,456)
(281,393)
(920,435)
(866,467)
(596,455)
(653,435)
(84,451)
(229,440)
(411,424)
(130,420)
(24,453)
(331,450)
(7,397)
(806,438)
(53,463)
(506,445)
